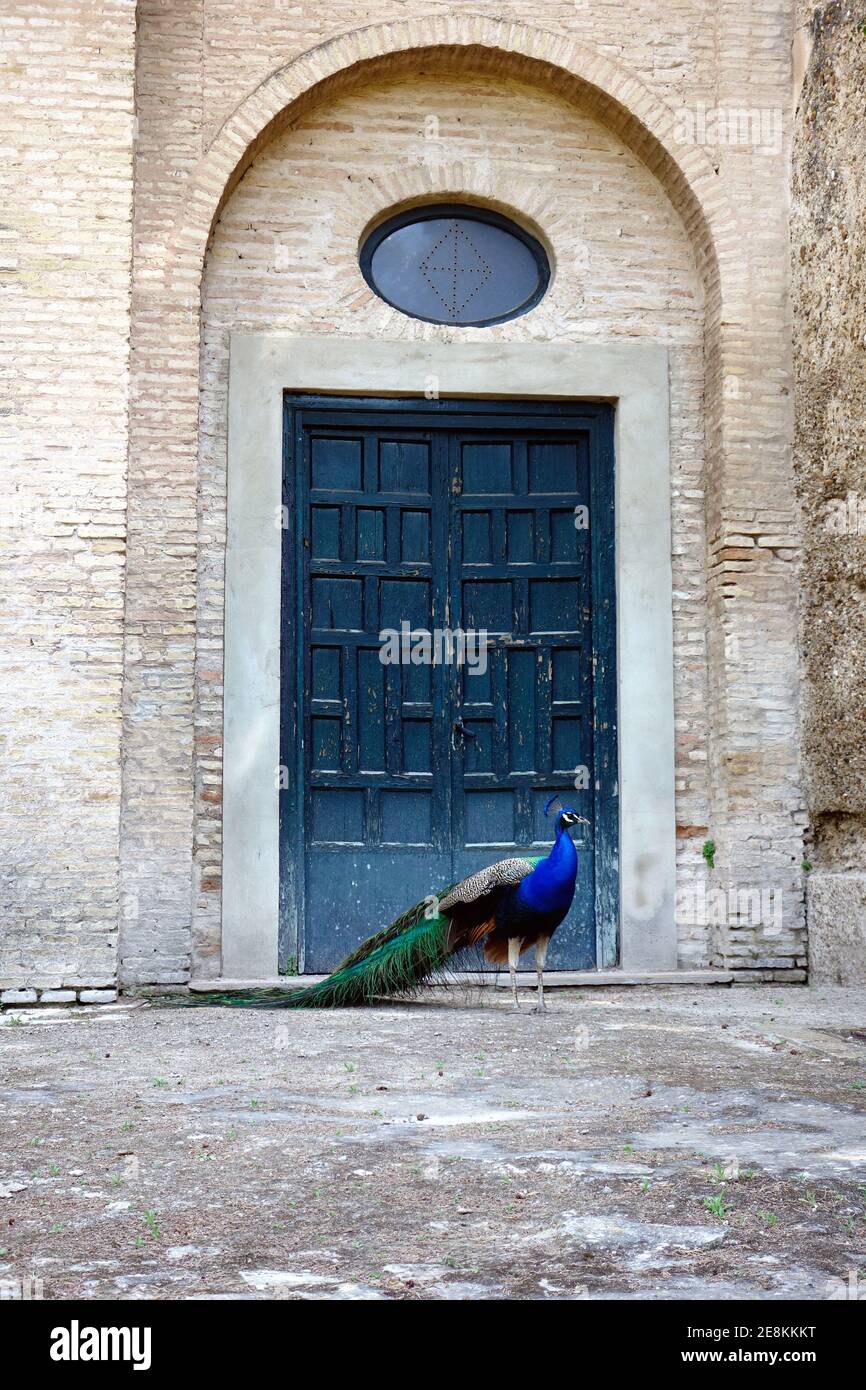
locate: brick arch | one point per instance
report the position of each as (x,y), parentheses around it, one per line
(612,93)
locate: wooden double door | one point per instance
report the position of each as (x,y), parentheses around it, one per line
(448,658)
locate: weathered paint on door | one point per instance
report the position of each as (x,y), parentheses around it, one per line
(447,517)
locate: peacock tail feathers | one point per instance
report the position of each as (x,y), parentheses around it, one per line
(423,910)
(395,961)
(273,998)
(396,964)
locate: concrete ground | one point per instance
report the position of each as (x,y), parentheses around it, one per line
(635,1143)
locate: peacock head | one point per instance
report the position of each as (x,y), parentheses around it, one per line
(567,817)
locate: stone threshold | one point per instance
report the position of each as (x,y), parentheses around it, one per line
(553,979)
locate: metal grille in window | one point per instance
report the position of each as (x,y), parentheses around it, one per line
(455,264)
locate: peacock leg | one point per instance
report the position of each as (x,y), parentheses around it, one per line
(513,957)
(541,946)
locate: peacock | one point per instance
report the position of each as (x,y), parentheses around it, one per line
(505,909)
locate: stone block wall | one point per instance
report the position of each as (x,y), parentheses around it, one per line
(829,313)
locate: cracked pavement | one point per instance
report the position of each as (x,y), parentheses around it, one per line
(635,1143)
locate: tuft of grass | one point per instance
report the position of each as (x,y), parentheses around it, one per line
(721,1174)
(716,1206)
(152,1224)
(708,850)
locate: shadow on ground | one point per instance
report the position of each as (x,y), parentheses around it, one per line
(635,1143)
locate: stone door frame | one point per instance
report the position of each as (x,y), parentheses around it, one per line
(634,378)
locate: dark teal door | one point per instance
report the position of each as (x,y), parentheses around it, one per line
(448,659)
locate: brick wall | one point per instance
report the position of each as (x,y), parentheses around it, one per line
(66,140)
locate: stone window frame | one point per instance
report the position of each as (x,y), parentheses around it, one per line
(460,212)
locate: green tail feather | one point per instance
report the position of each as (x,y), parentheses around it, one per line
(394,961)
(409,918)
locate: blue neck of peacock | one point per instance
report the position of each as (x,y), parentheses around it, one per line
(563,857)
(552,881)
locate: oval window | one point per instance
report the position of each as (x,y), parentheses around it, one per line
(455,264)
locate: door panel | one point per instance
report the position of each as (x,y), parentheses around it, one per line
(409,516)
(521,570)
(374,765)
